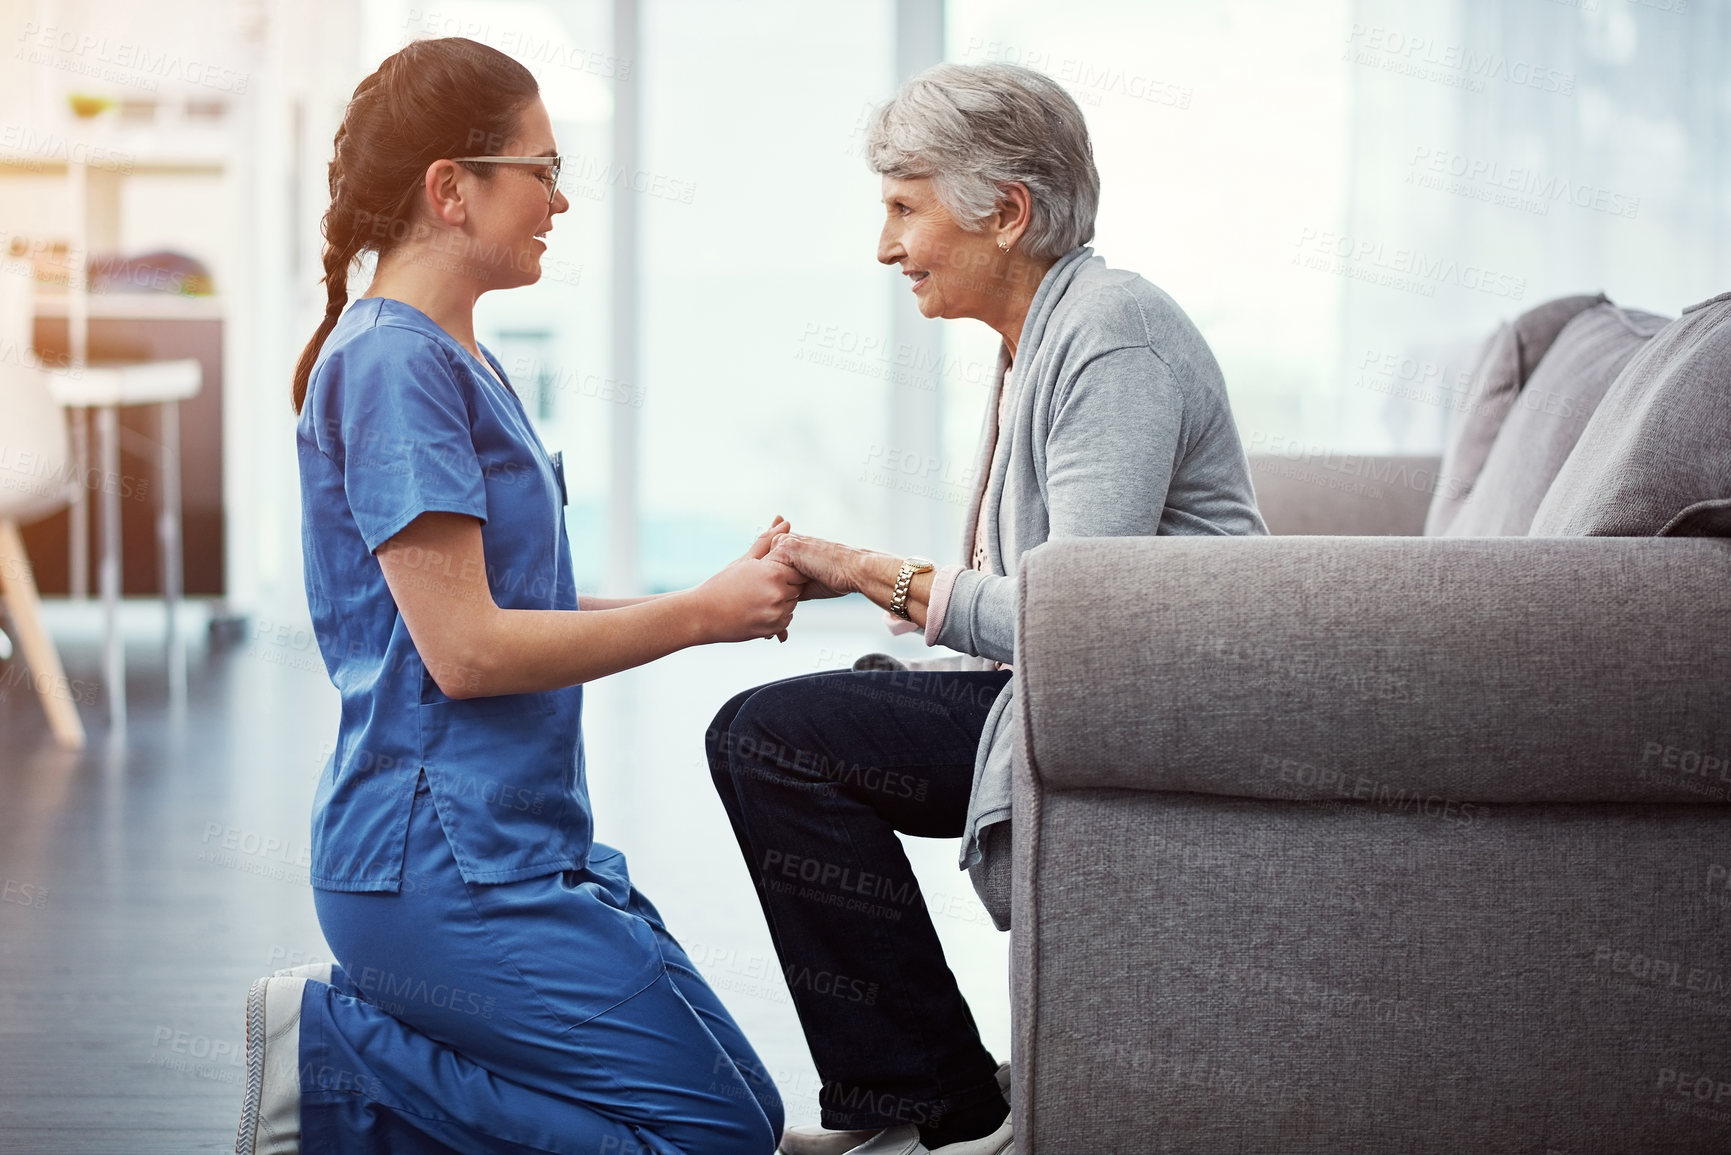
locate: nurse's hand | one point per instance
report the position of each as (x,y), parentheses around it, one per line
(750,598)
(766,540)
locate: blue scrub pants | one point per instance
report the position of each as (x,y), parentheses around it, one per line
(553,1014)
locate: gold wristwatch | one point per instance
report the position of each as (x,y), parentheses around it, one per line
(905,580)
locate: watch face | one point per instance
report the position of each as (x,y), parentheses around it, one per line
(921,564)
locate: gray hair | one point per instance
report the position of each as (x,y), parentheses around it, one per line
(974,128)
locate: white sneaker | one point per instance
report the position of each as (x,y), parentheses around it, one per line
(318,972)
(821,1141)
(906,1141)
(270,1113)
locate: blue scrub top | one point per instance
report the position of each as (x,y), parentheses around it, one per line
(399,420)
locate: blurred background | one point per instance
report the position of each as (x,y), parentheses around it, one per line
(1345,195)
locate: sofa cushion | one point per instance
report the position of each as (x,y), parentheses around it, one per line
(1508,359)
(1547,418)
(1656,456)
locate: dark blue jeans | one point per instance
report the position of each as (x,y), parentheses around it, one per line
(818,774)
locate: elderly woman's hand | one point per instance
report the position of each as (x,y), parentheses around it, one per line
(827,566)
(831,570)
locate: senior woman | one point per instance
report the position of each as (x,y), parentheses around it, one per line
(1108,417)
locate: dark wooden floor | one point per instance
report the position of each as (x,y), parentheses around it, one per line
(145,887)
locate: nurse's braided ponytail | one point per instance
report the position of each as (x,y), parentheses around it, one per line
(431,100)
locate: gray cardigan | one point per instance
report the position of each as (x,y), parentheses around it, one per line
(1117,426)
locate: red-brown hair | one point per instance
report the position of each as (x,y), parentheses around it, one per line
(431,100)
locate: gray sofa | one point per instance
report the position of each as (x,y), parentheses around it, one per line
(1404,829)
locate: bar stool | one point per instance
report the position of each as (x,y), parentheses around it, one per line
(105,388)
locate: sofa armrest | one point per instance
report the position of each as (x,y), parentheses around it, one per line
(1380,669)
(1321,492)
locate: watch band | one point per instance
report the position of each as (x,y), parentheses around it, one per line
(904,583)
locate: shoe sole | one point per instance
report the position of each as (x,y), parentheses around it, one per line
(246,1140)
(862,1137)
(1003,1075)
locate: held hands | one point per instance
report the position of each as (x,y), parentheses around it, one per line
(828,568)
(766,539)
(753,596)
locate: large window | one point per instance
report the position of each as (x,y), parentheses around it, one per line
(1348,195)
(552,337)
(1345,195)
(765,315)
(1517,153)
(1220,133)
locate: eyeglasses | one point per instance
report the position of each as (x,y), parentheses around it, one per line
(550,162)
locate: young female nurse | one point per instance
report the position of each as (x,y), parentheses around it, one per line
(503,986)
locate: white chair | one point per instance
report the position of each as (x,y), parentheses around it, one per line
(34,482)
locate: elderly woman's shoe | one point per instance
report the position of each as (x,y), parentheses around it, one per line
(270,1113)
(906,1141)
(818,1141)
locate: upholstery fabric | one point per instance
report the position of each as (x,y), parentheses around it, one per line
(1656,456)
(1548,416)
(1363,845)
(1508,359)
(1316,978)
(1343,493)
(1408,672)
